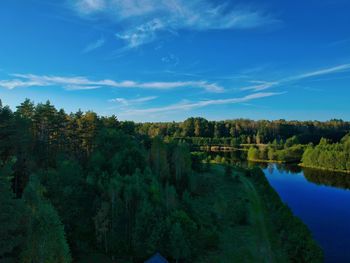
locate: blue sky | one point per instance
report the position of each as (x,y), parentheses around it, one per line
(164,60)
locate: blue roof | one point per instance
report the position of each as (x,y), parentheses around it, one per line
(156,258)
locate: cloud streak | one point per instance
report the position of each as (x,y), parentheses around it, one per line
(144,20)
(181,106)
(263,85)
(83,83)
(94,45)
(129,102)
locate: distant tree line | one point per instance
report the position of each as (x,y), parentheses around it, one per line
(244,131)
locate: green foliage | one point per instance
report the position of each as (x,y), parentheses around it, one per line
(158,159)
(327,155)
(253,153)
(290,153)
(179,246)
(45,237)
(203,132)
(12,214)
(91,185)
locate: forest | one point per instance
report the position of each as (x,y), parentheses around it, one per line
(79,187)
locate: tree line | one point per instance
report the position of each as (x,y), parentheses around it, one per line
(245,131)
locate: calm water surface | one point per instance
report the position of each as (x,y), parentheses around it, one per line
(322,200)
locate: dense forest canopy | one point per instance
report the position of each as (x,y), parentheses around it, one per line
(75,185)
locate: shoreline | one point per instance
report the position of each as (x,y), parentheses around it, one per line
(268,161)
(324,169)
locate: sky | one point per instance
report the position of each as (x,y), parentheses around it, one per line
(167,60)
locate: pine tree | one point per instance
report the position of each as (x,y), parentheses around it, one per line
(45,239)
(11,213)
(179,247)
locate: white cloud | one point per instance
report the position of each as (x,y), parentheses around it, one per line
(143,20)
(199,104)
(81,83)
(263,85)
(260,85)
(129,102)
(336,69)
(142,34)
(94,45)
(89,6)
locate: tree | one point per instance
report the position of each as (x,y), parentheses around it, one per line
(158,159)
(291,141)
(45,239)
(182,165)
(179,247)
(11,214)
(188,127)
(253,154)
(7,133)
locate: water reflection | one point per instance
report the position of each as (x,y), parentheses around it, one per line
(321,199)
(319,177)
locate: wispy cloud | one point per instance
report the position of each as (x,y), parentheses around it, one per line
(144,20)
(336,69)
(94,45)
(260,85)
(170,60)
(263,85)
(129,102)
(184,106)
(89,6)
(83,83)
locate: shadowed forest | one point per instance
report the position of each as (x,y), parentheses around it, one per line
(84,188)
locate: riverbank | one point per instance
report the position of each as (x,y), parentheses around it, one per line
(265,161)
(292,234)
(271,232)
(253,239)
(324,169)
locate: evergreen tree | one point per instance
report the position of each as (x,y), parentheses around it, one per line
(11,216)
(45,239)
(179,247)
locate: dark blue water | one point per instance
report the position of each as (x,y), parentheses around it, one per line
(322,200)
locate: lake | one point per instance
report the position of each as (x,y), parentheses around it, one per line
(322,200)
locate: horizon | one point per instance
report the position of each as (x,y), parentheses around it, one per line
(166,61)
(182,120)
